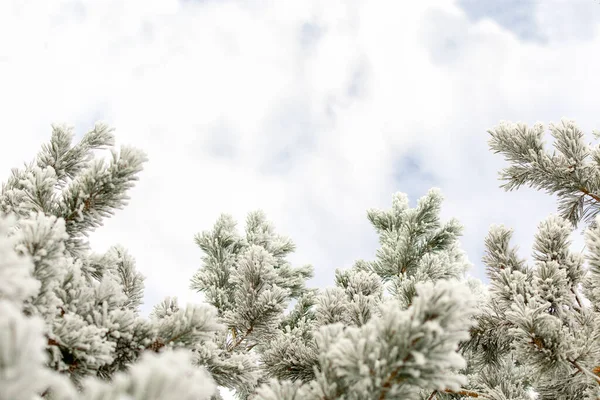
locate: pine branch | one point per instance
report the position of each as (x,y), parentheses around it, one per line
(241,339)
(585,371)
(464,392)
(588,193)
(461,392)
(387,384)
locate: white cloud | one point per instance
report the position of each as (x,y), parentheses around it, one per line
(237,111)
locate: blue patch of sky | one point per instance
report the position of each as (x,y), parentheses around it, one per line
(411,179)
(310,33)
(518,16)
(357,85)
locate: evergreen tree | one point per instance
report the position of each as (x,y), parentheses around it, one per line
(409,324)
(542,321)
(535,329)
(389,327)
(69,318)
(250,283)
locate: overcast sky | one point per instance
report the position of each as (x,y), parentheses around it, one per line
(313,111)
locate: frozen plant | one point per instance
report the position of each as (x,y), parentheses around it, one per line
(539,328)
(409,324)
(69,318)
(390,327)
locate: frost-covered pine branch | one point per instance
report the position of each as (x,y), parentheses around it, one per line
(536,319)
(369,335)
(250,282)
(70,318)
(538,327)
(397,354)
(571,172)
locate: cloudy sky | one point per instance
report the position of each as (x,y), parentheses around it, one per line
(313,111)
